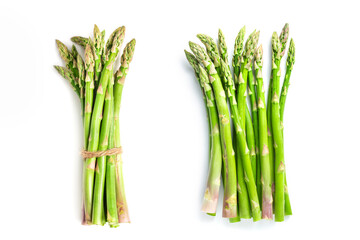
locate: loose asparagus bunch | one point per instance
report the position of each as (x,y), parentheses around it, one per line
(253,153)
(99,91)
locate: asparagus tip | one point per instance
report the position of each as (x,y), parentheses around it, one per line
(291,55)
(128,53)
(284,35)
(193,61)
(198,51)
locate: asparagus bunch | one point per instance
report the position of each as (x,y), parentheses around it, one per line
(253,153)
(99,91)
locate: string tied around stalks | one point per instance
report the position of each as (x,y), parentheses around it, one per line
(113,151)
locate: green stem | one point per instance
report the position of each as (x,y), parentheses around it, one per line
(270,138)
(214,177)
(278,139)
(121,203)
(230,189)
(242,143)
(100,171)
(289,66)
(267,199)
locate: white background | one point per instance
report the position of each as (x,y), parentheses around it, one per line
(163,118)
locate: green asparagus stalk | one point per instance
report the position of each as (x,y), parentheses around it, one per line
(289,66)
(283,39)
(101,161)
(96,117)
(243,199)
(255,120)
(241,140)
(122,208)
(267,208)
(214,178)
(278,139)
(241,97)
(230,192)
(214,175)
(213,53)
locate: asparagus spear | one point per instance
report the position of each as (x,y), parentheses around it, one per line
(213,53)
(213,184)
(111,55)
(283,39)
(214,176)
(230,198)
(243,199)
(278,139)
(267,212)
(289,66)
(122,208)
(241,140)
(97,211)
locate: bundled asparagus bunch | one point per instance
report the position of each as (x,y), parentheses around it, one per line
(99,89)
(248,151)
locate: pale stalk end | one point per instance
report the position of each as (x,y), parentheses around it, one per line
(230,207)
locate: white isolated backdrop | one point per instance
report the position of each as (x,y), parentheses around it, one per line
(163,119)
